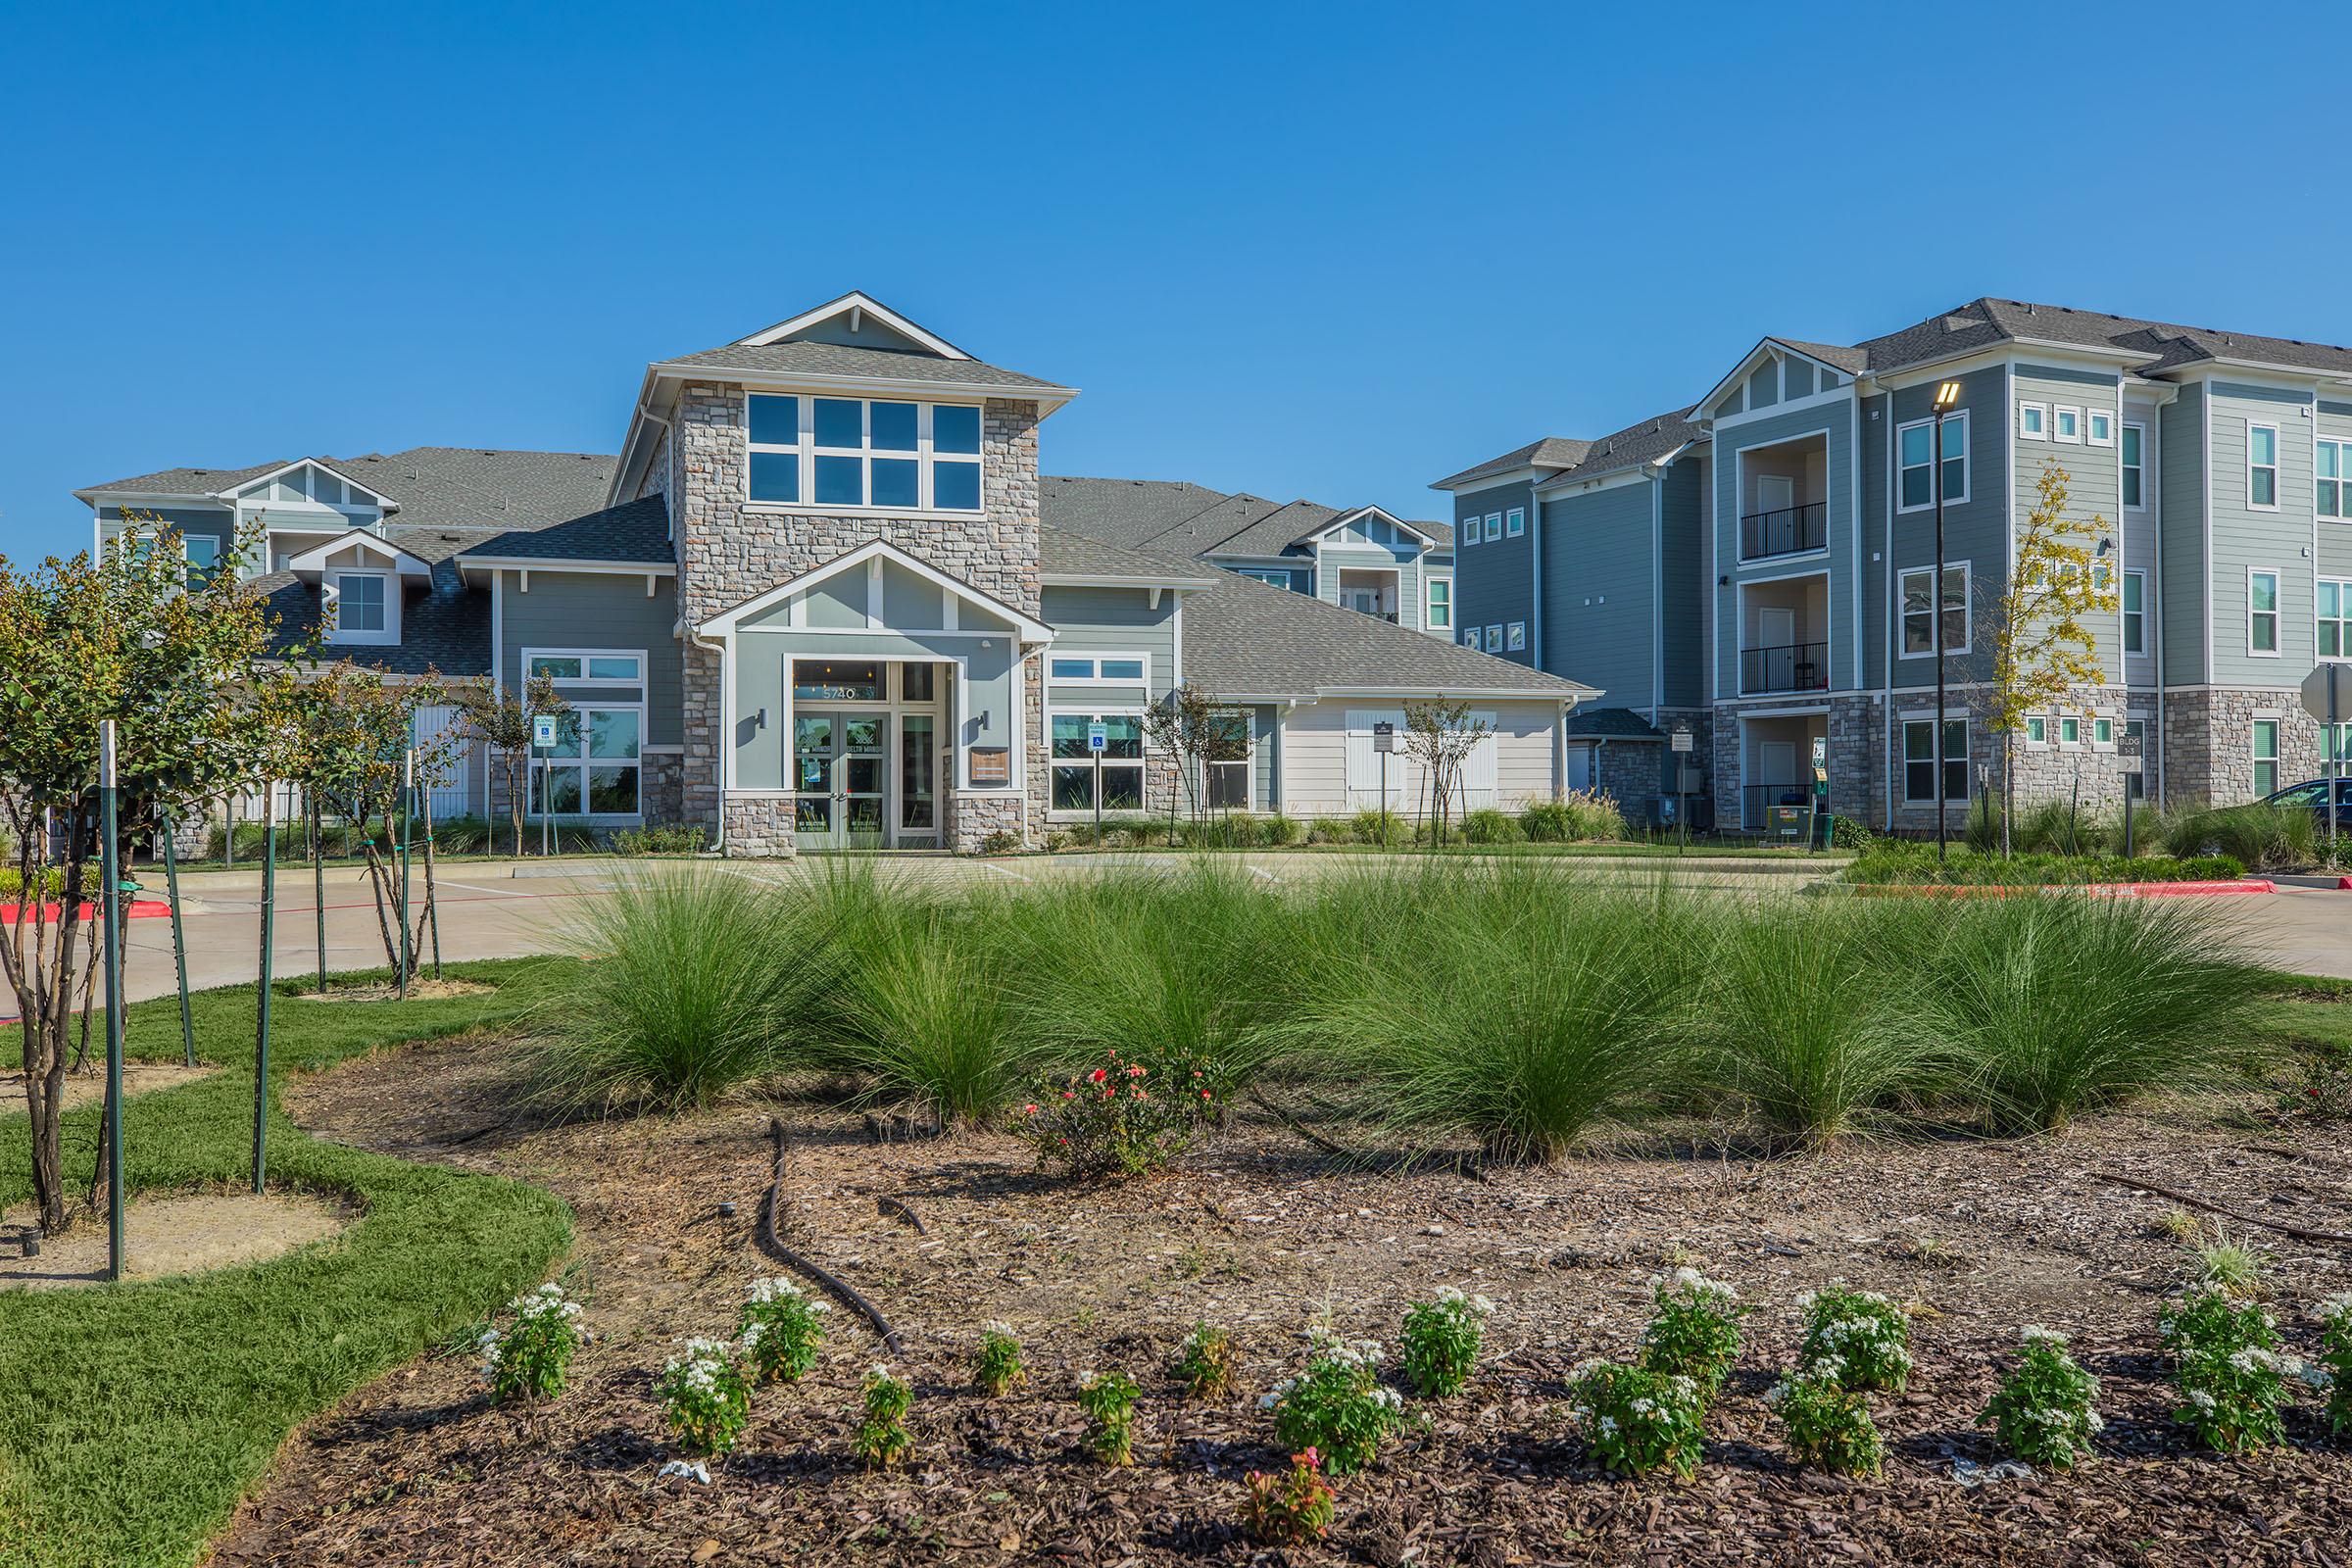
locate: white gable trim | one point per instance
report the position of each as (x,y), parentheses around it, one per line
(1777,349)
(1361,512)
(310,565)
(855,303)
(724,624)
(231,493)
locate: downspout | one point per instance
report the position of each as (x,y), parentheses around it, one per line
(726,741)
(1534,556)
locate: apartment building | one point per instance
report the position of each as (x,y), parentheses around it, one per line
(1756,568)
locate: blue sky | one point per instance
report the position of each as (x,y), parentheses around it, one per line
(1306,252)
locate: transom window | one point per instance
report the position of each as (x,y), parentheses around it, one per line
(1919,759)
(2099,428)
(621,668)
(1076,768)
(865,453)
(2333,462)
(1918,588)
(2262,466)
(2336,619)
(1518,523)
(2033,420)
(839,681)
(2262,612)
(1119,669)
(2135,437)
(1493,527)
(1917,481)
(2066,424)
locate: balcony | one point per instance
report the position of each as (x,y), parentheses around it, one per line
(1369,592)
(1785,531)
(1794,667)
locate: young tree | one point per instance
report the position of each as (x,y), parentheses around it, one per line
(1441,735)
(1198,728)
(502,722)
(178,666)
(2041,647)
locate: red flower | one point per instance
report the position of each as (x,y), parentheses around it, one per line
(1098,1075)
(1069,1093)
(1308,1457)
(1140,1095)
(1203,1094)
(1135,1072)
(1028,1110)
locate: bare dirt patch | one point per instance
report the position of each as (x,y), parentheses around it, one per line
(179,1233)
(1261,1234)
(138,1078)
(418,991)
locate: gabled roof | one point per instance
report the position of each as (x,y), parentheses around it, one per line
(446,628)
(310,565)
(1610,724)
(1026,627)
(1551,452)
(818,362)
(1068,558)
(1172,516)
(853,307)
(1652,440)
(431,487)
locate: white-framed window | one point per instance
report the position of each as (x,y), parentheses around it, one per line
(2033,421)
(1465,532)
(1075,768)
(584,666)
(595,764)
(2038,731)
(2135,443)
(2335,633)
(1517,525)
(1471,639)
(1916,474)
(1099,670)
(2262,614)
(2136,617)
(203,550)
(1493,638)
(1919,759)
(863,453)
(2262,467)
(1271,576)
(1517,636)
(1228,782)
(2066,423)
(2102,731)
(2333,468)
(2266,757)
(2070,730)
(1918,587)
(364,608)
(2098,427)
(1493,527)
(1441,603)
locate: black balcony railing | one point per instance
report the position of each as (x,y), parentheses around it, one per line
(1756,802)
(1797,667)
(1789,531)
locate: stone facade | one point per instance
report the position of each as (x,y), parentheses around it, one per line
(757,824)
(1854,724)
(730,551)
(662,783)
(2209,743)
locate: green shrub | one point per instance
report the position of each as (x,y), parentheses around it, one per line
(1593,815)
(882,1439)
(1546,823)
(659,841)
(2059,828)
(1000,842)
(528,1360)
(2044,1411)
(1486,825)
(2267,838)
(930,1022)
(703,982)
(1981,828)
(1293,1508)
(12,881)
(1120,1119)
(1635,1420)
(703,1397)
(1109,1401)
(781,1327)
(1694,1333)
(1441,1341)
(1277,832)
(1891,863)
(1829,1425)
(1847,834)
(996,1363)
(2336,1360)
(1857,1339)
(2056,1005)
(1236,830)
(1330,830)
(1336,1406)
(1135,831)
(2227,1364)
(1379,827)
(1204,1363)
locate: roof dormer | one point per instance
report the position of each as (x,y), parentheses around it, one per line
(858,321)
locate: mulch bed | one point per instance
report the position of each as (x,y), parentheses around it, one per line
(1261,1234)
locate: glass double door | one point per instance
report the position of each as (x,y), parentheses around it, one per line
(865,779)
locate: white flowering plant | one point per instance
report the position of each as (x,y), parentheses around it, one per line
(527,1360)
(1827,1424)
(2334,1375)
(1204,1363)
(2043,1411)
(703,1397)
(882,1437)
(996,1363)
(782,1325)
(1695,1331)
(1336,1405)
(1109,1401)
(1860,1336)
(1635,1420)
(1441,1341)
(2227,1365)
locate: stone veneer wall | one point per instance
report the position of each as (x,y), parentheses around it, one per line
(2209,744)
(729,552)
(1856,731)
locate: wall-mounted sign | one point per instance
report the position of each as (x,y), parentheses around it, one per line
(992,764)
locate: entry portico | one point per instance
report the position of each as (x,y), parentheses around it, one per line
(874,702)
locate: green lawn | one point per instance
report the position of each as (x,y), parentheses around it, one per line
(136,1416)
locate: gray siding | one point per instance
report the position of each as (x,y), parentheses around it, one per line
(2093,473)
(1833,423)
(1332,560)
(1975,530)
(1112,621)
(188,521)
(585,609)
(765,654)
(1683,573)
(1266,729)
(2245,539)
(1492,582)
(2335,537)
(1600,603)
(2182,498)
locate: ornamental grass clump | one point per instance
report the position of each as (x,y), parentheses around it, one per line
(2227,1365)
(1828,1425)
(1857,1339)
(2043,1411)
(1336,1406)
(1109,1401)
(528,1360)
(2334,1375)
(928,1023)
(1635,1420)
(1441,1341)
(996,1363)
(1204,1363)
(781,1328)
(882,1439)
(703,1397)
(1290,1508)
(1694,1332)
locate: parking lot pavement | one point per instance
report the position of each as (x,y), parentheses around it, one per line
(496,908)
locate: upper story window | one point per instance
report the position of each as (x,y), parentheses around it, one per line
(2336,619)
(1271,576)
(863,453)
(2098,427)
(1914,443)
(1465,532)
(2135,478)
(2033,420)
(2066,424)
(1916,586)
(363,605)
(627,669)
(1118,669)
(1493,527)
(1441,603)
(2262,614)
(2262,467)
(2333,461)
(2135,621)
(1518,523)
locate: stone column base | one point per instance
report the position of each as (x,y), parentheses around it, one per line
(757,826)
(973,818)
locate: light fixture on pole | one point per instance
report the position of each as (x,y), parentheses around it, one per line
(1948,398)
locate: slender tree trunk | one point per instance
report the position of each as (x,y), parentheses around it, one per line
(432,907)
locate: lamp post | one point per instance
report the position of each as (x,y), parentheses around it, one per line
(1948,398)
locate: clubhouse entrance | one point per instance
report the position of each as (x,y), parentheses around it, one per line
(865,763)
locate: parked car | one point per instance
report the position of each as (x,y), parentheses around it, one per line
(2312,794)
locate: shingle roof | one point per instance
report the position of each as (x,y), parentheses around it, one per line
(191,481)
(836,358)
(445,629)
(1062,553)
(1611,724)
(1647,442)
(1129,510)
(1249,639)
(1173,516)
(1551,452)
(434,486)
(633,531)
(1983,323)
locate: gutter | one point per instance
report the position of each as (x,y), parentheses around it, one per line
(718,847)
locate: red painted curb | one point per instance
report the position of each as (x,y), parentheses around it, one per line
(2180,890)
(140,909)
(2343,884)
(2111,890)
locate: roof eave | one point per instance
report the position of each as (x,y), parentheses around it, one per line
(1044,393)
